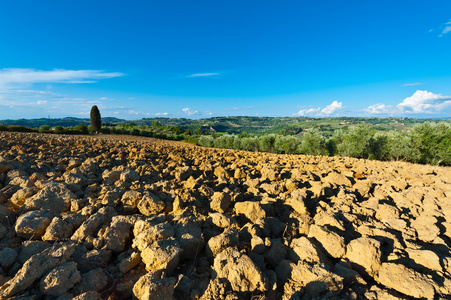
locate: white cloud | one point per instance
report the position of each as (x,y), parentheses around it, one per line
(42,102)
(190,112)
(412,84)
(12,76)
(421,102)
(202,75)
(379,109)
(308,111)
(161,114)
(445,28)
(331,108)
(424,102)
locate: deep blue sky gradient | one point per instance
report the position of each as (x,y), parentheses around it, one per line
(255,57)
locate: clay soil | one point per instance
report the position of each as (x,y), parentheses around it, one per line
(122,217)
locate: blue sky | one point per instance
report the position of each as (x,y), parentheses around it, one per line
(198,59)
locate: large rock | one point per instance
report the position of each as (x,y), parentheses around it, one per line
(150,204)
(34,268)
(162,255)
(251,209)
(333,243)
(365,255)
(89,226)
(190,239)
(93,281)
(297,201)
(32,225)
(7,257)
(145,238)
(406,281)
(118,233)
(316,278)
(425,227)
(229,238)
(57,230)
(53,196)
(240,271)
(60,279)
(220,202)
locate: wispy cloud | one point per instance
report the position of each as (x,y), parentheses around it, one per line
(202,75)
(412,84)
(190,112)
(161,114)
(443,29)
(379,108)
(421,102)
(11,77)
(308,111)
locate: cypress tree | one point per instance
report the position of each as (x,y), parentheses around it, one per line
(96,121)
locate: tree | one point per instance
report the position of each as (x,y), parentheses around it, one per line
(96,120)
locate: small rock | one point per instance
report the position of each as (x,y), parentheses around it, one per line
(7,257)
(129,176)
(130,262)
(150,288)
(57,230)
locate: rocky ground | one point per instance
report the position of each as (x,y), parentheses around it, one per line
(105,217)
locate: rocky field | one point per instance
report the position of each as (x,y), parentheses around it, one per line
(105,217)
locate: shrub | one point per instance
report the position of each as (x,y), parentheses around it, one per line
(314,143)
(82,128)
(58,129)
(287,144)
(355,142)
(266,143)
(45,128)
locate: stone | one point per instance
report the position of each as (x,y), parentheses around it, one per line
(190,239)
(297,201)
(303,249)
(34,268)
(240,271)
(60,279)
(7,257)
(252,210)
(405,280)
(217,244)
(426,258)
(144,239)
(131,198)
(53,196)
(148,287)
(425,227)
(220,202)
(331,241)
(32,225)
(276,253)
(118,233)
(150,204)
(129,176)
(129,263)
(316,278)
(89,226)
(19,197)
(110,177)
(57,230)
(222,220)
(364,254)
(93,281)
(162,255)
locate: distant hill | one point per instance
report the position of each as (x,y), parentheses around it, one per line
(237,125)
